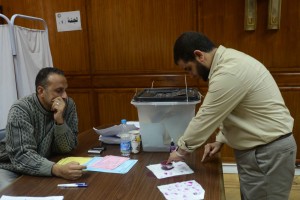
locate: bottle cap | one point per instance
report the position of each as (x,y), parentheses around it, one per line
(172,146)
(172,142)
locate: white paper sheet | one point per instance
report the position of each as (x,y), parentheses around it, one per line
(5,197)
(110,139)
(187,190)
(180,168)
(110,135)
(115,130)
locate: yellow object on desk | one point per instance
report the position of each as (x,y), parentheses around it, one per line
(80,160)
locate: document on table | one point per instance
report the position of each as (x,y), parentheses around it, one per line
(5,197)
(187,190)
(108,164)
(80,160)
(180,168)
(93,165)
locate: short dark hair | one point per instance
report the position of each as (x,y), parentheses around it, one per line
(187,43)
(42,77)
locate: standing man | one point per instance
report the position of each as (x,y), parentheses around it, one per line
(39,126)
(244,101)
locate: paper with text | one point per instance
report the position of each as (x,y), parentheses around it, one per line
(121,169)
(94,164)
(109,162)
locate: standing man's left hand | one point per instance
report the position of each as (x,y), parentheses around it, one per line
(211,149)
(58,107)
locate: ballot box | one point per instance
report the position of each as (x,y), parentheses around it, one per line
(164,114)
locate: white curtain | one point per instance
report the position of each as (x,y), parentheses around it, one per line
(33,54)
(8,89)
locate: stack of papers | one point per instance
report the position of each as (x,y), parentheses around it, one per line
(180,168)
(117,165)
(108,164)
(110,135)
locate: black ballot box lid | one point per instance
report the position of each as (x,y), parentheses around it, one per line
(167,95)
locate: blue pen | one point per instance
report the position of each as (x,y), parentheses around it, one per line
(68,185)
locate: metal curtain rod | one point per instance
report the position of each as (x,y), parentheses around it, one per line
(11,36)
(30,18)
(4,17)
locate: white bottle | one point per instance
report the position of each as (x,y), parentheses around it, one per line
(135,141)
(125,146)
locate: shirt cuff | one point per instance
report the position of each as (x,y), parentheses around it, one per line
(46,168)
(182,145)
(221,138)
(60,126)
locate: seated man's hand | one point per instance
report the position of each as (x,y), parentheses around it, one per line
(70,171)
(58,106)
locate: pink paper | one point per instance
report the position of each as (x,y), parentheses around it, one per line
(110,162)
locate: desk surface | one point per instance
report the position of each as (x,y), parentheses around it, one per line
(138,183)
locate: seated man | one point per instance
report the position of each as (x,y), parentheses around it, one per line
(38,126)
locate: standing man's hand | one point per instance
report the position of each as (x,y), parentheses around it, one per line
(70,171)
(58,106)
(177,155)
(211,149)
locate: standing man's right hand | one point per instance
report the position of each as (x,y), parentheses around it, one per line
(211,149)
(70,171)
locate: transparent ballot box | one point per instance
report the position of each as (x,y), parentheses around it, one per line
(164,114)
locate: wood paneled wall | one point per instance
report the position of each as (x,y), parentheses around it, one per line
(127,45)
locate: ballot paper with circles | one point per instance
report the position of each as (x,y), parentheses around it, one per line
(187,190)
(180,168)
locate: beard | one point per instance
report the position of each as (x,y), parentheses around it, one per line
(202,71)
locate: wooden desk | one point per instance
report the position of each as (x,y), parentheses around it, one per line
(138,183)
